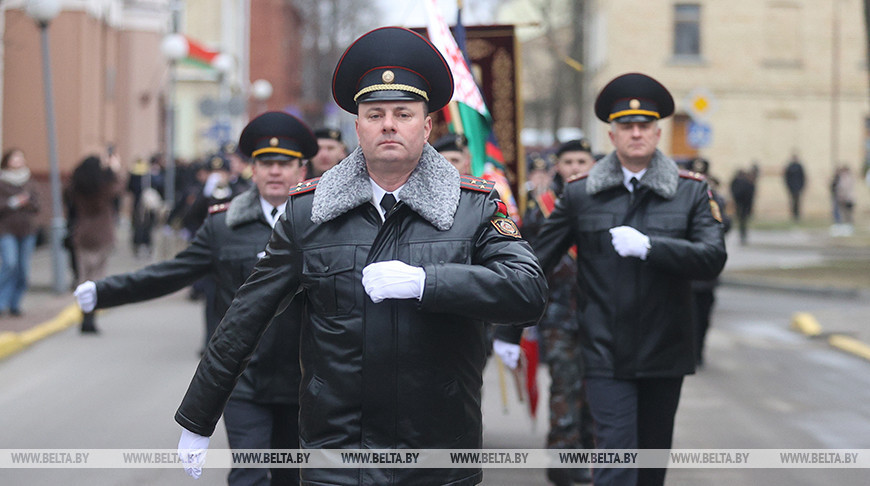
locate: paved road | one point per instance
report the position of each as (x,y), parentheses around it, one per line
(764,387)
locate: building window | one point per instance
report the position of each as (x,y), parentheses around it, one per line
(687,30)
(782,37)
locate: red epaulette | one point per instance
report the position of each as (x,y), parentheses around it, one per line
(577,177)
(687,174)
(476,184)
(304,186)
(218,208)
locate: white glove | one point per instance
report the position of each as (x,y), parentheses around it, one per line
(393,280)
(509,353)
(86,296)
(191,450)
(629,242)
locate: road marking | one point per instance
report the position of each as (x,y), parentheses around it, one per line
(13,342)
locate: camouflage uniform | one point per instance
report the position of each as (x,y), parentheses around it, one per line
(570,420)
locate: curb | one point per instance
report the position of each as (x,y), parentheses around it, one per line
(806,324)
(13,342)
(844,293)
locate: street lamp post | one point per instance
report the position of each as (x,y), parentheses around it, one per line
(43,12)
(174,48)
(224,64)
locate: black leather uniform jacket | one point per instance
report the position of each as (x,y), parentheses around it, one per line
(635,315)
(401,374)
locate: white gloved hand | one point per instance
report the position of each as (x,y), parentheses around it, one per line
(508,352)
(86,296)
(393,280)
(629,242)
(192,449)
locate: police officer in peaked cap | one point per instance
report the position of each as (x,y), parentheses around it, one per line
(332,151)
(398,260)
(262,411)
(643,230)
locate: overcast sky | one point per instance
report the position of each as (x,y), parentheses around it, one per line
(413,13)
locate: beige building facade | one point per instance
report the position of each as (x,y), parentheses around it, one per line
(754,82)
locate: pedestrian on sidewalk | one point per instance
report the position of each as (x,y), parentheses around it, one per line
(643,230)
(743,195)
(795,180)
(94,188)
(844,198)
(262,412)
(19,207)
(401,261)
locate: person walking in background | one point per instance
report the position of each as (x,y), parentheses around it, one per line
(643,231)
(145,184)
(794,182)
(19,206)
(844,199)
(93,190)
(743,195)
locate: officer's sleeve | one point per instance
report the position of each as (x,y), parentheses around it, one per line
(503,283)
(699,256)
(554,238)
(161,278)
(275,276)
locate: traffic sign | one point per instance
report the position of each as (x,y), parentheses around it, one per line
(700,134)
(701,104)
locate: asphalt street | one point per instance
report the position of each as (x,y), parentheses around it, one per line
(765,386)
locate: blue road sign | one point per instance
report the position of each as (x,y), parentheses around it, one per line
(700,134)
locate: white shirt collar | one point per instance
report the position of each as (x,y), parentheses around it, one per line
(378,193)
(267,211)
(627,175)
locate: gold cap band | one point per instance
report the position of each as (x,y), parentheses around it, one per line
(392,87)
(634,112)
(277,150)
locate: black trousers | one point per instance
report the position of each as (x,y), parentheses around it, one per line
(252,425)
(632,414)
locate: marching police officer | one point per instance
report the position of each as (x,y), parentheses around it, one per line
(263,409)
(643,230)
(401,259)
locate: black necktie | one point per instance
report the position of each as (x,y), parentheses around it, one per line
(274,212)
(634,183)
(387,202)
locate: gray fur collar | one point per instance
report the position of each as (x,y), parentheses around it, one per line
(245,208)
(661,177)
(432,190)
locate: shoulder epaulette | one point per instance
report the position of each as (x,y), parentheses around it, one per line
(218,208)
(476,184)
(577,177)
(304,186)
(687,174)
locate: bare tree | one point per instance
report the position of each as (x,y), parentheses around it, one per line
(564,41)
(329,26)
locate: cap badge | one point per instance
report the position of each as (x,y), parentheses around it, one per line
(388,76)
(634,104)
(273,142)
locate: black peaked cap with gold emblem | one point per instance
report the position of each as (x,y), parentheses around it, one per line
(328,134)
(451,142)
(392,64)
(633,97)
(275,134)
(579,145)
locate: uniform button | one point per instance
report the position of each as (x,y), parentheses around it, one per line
(326,268)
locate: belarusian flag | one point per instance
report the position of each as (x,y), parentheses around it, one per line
(467,113)
(198,55)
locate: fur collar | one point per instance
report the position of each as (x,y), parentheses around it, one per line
(245,208)
(432,190)
(661,177)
